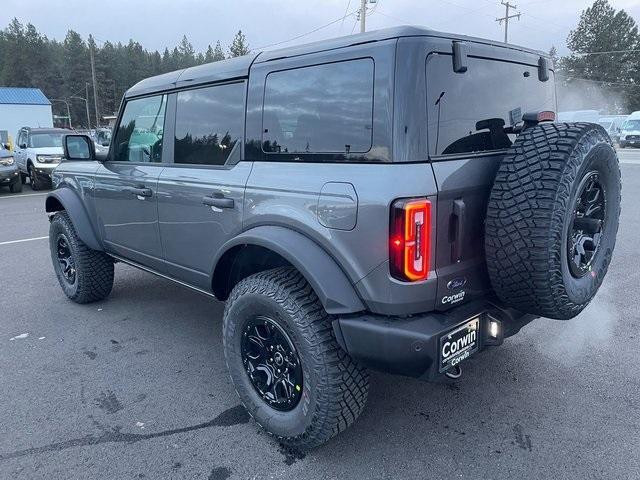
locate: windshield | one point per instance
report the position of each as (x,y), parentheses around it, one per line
(631,125)
(40,140)
(104,136)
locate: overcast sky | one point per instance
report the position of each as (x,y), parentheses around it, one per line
(159,23)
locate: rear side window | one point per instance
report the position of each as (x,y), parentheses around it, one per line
(209,124)
(468,112)
(320,109)
(139,135)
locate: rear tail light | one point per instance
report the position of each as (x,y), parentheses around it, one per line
(410,239)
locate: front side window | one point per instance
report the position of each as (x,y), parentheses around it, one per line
(42,140)
(319,109)
(468,112)
(631,125)
(209,123)
(139,136)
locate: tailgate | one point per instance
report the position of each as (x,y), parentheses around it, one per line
(463,192)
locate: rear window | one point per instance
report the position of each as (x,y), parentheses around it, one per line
(319,109)
(209,124)
(468,112)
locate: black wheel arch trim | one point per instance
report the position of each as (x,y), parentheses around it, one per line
(330,283)
(70,202)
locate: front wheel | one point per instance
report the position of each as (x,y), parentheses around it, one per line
(34,180)
(16,185)
(285,363)
(85,275)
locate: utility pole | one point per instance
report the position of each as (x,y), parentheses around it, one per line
(507,17)
(93,78)
(363,15)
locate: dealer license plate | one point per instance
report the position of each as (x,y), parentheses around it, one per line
(458,344)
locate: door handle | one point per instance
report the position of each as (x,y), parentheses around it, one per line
(218,202)
(140,192)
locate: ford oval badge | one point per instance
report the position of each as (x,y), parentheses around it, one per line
(456,283)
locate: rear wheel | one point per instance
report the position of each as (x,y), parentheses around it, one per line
(85,275)
(552,219)
(285,363)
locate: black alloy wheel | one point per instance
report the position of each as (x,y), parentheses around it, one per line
(65,259)
(272,363)
(587,224)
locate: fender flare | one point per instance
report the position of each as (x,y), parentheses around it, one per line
(77,213)
(330,283)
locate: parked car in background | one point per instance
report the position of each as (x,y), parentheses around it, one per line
(103,137)
(38,151)
(591,116)
(9,174)
(630,132)
(613,125)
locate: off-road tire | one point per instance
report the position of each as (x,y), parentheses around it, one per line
(15,186)
(529,214)
(334,388)
(94,269)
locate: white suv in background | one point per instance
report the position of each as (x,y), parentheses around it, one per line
(38,151)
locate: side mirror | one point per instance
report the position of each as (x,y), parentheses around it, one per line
(105,144)
(78,147)
(5,146)
(23,145)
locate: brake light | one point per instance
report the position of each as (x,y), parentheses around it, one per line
(410,239)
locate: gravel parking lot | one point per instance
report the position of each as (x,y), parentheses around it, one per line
(136,386)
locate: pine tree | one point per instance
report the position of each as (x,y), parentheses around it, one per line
(603,29)
(239,45)
(61,69)
(186,53)
(76,73)
(208,56)
(218,53)
(553,53)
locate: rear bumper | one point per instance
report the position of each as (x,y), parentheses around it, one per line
(410,345)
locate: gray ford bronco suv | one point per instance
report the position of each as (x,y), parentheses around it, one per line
(396,200)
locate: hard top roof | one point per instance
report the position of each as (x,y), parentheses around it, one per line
(239,67)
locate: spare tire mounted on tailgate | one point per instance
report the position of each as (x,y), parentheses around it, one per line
(552,218)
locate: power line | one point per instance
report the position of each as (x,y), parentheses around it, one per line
(345,14)
(354,26)
(307,33)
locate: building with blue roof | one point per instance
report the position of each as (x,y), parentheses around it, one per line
(22,107)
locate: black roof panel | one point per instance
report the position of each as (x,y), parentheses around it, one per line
(239,66)
(208,72)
